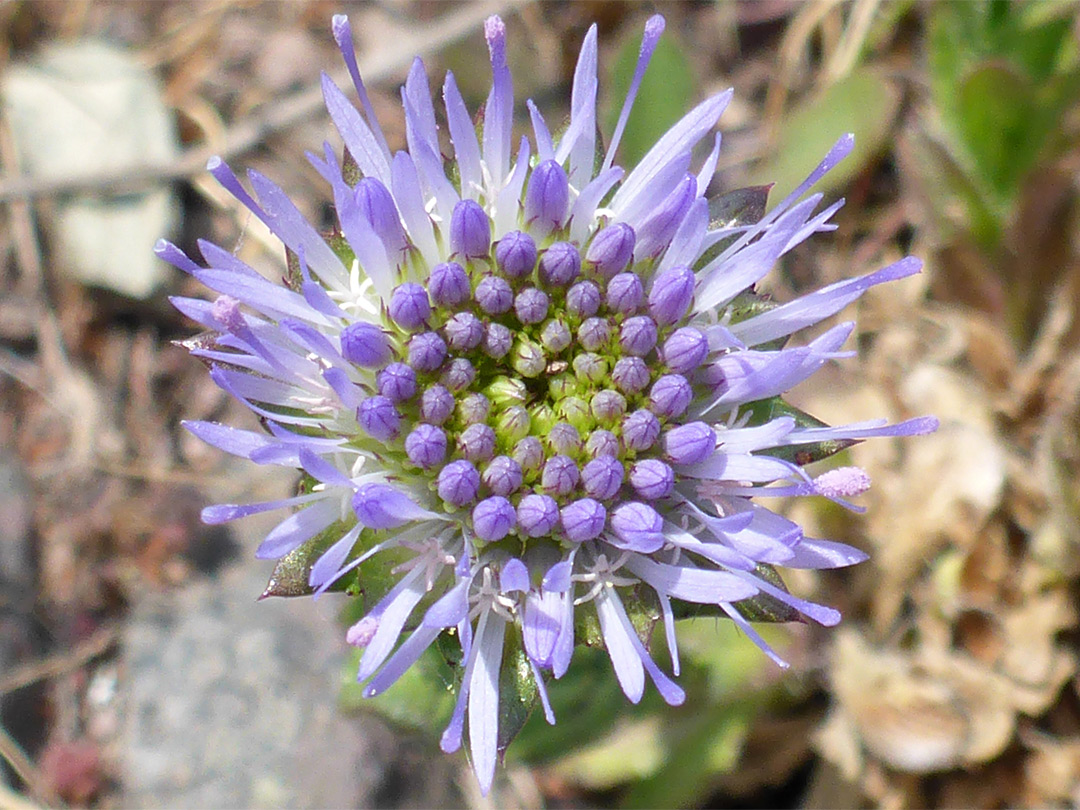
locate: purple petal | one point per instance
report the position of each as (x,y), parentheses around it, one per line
(484,701)
(654,27)
(296,529)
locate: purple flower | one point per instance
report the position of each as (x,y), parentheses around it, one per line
(517,354)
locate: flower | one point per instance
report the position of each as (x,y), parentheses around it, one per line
(531,376)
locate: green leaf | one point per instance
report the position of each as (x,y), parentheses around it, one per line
(667,91)
(865,102)
(291,572)
(517,689)
(765,410)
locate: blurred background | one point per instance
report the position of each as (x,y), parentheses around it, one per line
(137,669)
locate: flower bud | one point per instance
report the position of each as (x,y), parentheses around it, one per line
(555,336)
(542,418)
(637,335)
(458,483)
(436,405)
(376,205)
(560,475)
(564,438)
(397,382)
(493,518)
(547,197)
(670,396)
(477,442)
(449,285)
(562,386)
(602,477)
(379,418)
(685,350)
(497,341)
(611,250)
(502,476)
(380,506)
(537,515)
(655,233)
(560,265)
(529,453)
(470,230)
(366,345)
(528,359)
(426,446)
(583,520)
(640,430)
(458,374)
(638,526)
(624,294)
(590,368)
(607,406)
(505,390)
(515,255)
(473,408)
(689,444)
(426,351)
(531,305)
(464,331)
(594,333)
(602,443)
(583,299)
(494,295)
(513,424)
(630,375)
(575,411)
(671,294)
(652,479)
(409,306)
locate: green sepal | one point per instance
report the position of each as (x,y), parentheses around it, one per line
(518,693)
(291,573)
(765,608)
(765,410)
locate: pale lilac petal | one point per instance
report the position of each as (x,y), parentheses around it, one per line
(463,135)
(331,560)
(296,529)
(399,604)
(405,184)
(545,150)
(484,702)
(691,584)
(686,244)
(499,110)
(654,27)
(403,658)
(814,553)
(616,629)
(343,36)
(708,168)
(361,142)
(583,209)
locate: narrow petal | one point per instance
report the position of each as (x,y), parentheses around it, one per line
(484,702)
(654,27)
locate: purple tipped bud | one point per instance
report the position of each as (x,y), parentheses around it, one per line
(449,285)
(547,197)
(515,255)
(624,294)
(426,446)
(470,230)
(458,374)
(638,526)
(494,295)
(640,430)
(474,408)
(531,305)
(594,334)
(560,265)
(379,418)
(477,442)
(493,518)
(409,306)
(602,443)
(426,351)
(670,396)
(611,250)
(583,520)
(366,345)
(376,205)
(560,475)
(630,375)
(397,382)
(685,350)
(652,479)
(528,359)
(458,483)
(380,506)
(590,367)
(555,336)
(602,477)
(637,336)
(655,233)
(497,341)
(583,299)
(464,331)
(503,476)
(436,405)
(537,515)
(564,438)
(689,444)
(529,453)
(671,294)
(608,406)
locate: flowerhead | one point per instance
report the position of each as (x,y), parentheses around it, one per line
(522,372)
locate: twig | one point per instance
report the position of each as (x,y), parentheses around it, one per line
(283,115)
(37,787)
(59,663)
